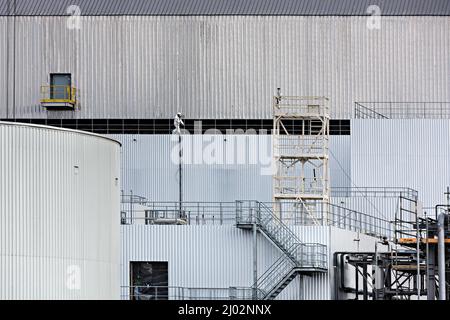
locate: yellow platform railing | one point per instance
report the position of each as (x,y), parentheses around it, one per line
(58,94)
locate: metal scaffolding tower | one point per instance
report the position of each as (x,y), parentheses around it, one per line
(300,155)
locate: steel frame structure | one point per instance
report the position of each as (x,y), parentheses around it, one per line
(301,154)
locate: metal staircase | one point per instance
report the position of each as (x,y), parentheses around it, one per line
(298,257)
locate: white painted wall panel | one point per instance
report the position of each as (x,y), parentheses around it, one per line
(228,66)
(148,169)
(402,153)
(59,209)
(214,256)
(222,256)
(4,67)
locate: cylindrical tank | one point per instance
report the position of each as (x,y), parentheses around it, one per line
(59,214)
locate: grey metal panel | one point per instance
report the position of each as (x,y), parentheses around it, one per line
(402,153)
(198,257)
(59,214)
(148,169)
(227,67)
(340,163)
(3,67)
(225,7)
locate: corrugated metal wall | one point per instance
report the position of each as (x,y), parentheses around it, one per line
(402,153)
(222,256)
(148,169)
(214,256)
(230,7)
(3,67)
(226,67)
(59,214)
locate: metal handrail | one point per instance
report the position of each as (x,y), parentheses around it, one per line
(67,93)
(219,213)
(272,277)
(402,110)
(358,112)
(188,293)
(385,192)
(269,223)
(377,226)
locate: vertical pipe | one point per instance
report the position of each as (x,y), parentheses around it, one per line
(180,186)
(255,261)
(14,62)
(377,276)
(417,250)
(356,281)
(8,36)
(430,291)
(365,292)
(131,206)
(441,255)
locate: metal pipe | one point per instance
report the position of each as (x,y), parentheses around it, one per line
(429,275)
(255,260)
(417,250)
(339,278)
(365,279)
(441,254)
(180,175)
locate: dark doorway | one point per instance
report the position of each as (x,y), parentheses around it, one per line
(149,280)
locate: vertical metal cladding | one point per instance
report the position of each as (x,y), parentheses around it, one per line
(402,153)
(223,66)
(222,256)
(215,256)
(239,169)
(59,214)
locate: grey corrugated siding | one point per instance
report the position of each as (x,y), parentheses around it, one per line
(53,216)
(147,170)
(215,256)
(224,67)
(339,161)
(225,7)
(221,256)
(403,153)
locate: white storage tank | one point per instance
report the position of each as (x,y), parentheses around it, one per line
(59,214)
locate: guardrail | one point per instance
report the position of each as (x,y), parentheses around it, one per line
(222,213)
(374,192)
(187,293)
(303,105)
(198,213)
(54,93)
(402,110)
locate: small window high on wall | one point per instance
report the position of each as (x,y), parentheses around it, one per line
(149,280)
(60,86)
(59,94)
